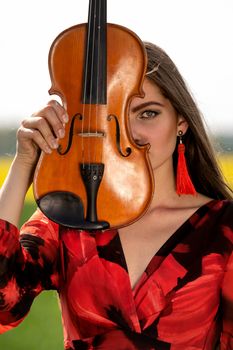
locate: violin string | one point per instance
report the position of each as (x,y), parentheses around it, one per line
(97,85)
(91,83)
(85,83)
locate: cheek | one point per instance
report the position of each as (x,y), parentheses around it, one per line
(164,138)
(163,145)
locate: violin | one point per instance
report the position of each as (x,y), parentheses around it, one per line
(98,177)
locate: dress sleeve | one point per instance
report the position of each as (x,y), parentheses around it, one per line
(227,286)
(28,265)
(227,296)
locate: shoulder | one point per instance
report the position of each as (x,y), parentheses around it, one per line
(39,224)
(218,213)
(224,208)
(221,212)
(213,221)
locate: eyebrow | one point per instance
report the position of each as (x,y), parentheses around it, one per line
(145,104)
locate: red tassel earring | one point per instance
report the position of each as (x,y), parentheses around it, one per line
(184,184)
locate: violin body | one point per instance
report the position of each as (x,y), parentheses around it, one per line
(98,177)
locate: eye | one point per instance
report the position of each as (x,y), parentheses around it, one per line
(149,114)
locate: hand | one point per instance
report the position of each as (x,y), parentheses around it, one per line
(41,132)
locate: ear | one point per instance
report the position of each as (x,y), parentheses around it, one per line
(182,124)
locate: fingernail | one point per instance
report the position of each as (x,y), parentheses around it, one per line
(54,144)
(48,150)
(65,118)
(61,133)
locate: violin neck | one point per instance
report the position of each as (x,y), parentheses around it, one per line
(95,71)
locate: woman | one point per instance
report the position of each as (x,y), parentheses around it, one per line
(164,282)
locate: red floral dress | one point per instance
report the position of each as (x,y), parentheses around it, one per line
(183,300)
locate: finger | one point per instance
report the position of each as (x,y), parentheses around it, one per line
(35,137)
(41,127)
(54,114)
(60,110)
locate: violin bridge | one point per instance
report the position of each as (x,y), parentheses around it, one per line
(91,134)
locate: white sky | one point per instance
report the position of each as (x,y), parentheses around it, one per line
(197,34)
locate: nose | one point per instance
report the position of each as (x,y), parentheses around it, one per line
(137,132)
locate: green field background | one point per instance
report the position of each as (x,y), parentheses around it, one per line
(42,328)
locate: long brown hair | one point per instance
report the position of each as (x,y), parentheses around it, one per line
(201,161)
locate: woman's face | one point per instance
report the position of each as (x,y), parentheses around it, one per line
(153,120)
